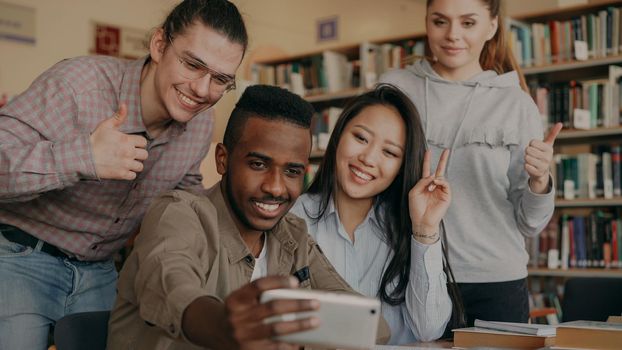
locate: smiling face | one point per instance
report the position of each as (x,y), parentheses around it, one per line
(176,96)
(263,175)
(369,154)
(457,31)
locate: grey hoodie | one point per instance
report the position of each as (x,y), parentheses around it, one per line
(486,121)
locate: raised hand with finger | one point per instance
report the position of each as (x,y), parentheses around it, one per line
(117,156)
(538,158)
(429,200)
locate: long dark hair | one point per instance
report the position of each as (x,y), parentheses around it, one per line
(496,54)
(391,205)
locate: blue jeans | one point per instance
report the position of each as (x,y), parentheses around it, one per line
(37,289)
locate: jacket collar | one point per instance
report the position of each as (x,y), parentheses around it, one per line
(279,238)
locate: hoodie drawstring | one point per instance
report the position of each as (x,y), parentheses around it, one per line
(427,115)
(462,119)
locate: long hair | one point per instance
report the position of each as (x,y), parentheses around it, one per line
(496,54)
(391,205)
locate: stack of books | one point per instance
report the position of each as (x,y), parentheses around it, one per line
(589,335)
(505,335)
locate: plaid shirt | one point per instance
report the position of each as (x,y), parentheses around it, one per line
(48,184)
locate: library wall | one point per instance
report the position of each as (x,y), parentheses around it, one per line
(276,27)
(63,30)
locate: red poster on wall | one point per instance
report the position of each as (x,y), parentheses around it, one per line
(107,40)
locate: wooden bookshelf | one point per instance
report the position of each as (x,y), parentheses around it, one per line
(570,134)
(552,77)
(562,66)
(587,203)
(343,94)
(316,154)
(557,67)
(348,50)
(576,272)
(565,12)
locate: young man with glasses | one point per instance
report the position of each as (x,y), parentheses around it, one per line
(85,149)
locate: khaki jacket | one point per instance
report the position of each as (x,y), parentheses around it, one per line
(189,247)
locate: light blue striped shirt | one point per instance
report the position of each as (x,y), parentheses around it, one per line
(427,309)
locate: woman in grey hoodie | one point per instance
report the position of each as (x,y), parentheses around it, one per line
(471,98)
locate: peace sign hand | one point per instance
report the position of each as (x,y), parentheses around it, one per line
(429,200)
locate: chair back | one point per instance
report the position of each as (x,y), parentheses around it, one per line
(591,298)
(85,330)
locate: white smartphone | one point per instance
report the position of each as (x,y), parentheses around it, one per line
(346,320)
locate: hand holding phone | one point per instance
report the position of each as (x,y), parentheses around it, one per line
(245,314)
(345,320)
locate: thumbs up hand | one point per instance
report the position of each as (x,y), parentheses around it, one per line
(117,156)
(538,158)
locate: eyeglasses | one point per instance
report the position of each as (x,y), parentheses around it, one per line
(193,69)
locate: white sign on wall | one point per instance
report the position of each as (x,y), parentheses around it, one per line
(17,23)
(133,42)
(114,40)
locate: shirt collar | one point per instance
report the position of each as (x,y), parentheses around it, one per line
(331,213)
(331,209)
(130,95)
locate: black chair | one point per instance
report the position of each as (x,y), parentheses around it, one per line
(85,330)
(591,298)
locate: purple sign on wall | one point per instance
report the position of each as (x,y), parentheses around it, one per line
(327,29)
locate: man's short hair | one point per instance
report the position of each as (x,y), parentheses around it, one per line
(268,102)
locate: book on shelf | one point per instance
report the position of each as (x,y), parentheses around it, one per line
(480,337)
(544,302)
(521,34)
(581,104)
(327,72)
(579,241)
(589,175)
(556,41)
(523,328)
(368,54)
(616,164)
(615,84)
(338,71)
(322,126)
(589,335)
(376,59)
(614,319)
(577,173)
(310,172)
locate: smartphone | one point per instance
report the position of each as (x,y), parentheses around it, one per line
(346,320)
